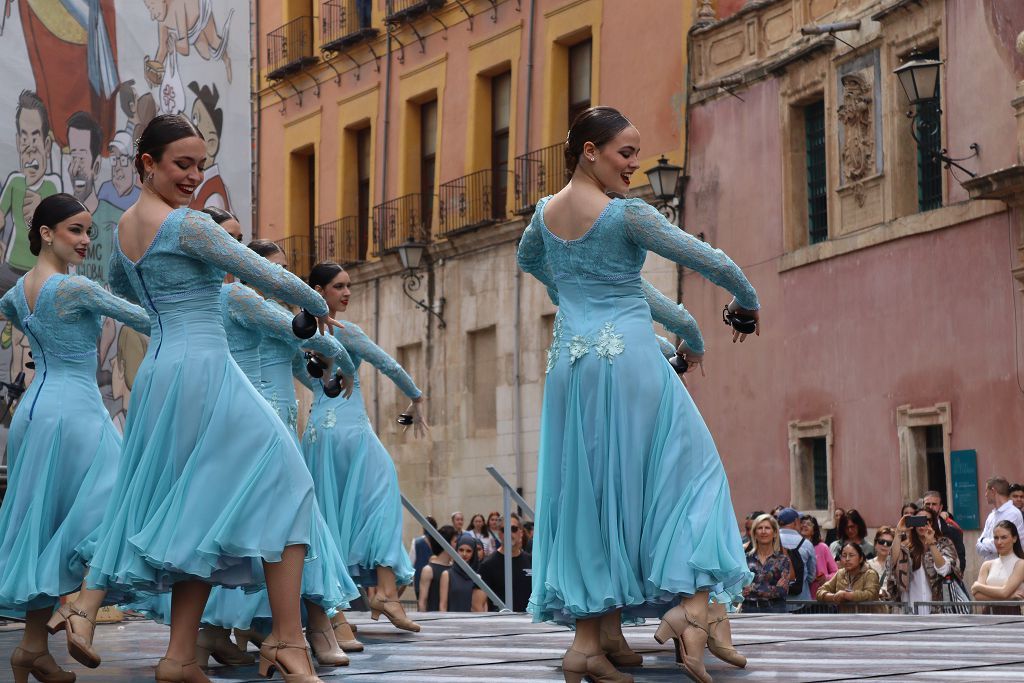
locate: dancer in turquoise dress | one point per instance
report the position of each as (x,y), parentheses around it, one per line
(633,506)
(63,447)
(211,489)
(356,481)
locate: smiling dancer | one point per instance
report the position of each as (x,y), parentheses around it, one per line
(63,446)
(212,489)
(639,462)
(356,481)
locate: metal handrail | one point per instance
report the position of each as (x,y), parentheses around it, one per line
(523,505)
(473,576)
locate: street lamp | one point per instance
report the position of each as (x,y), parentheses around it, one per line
(664,179)
(919,78)
(411,255)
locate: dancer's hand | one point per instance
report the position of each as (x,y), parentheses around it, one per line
(419,420)
(691,357)
(325,322)
(756,315)
(348,385)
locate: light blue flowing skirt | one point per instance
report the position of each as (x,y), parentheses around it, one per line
(356,487)
(63,463)
(633,505)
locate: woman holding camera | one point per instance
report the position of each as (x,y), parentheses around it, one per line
(621,441)
(920,561)
(356,481)
(1003,577)
(854,582)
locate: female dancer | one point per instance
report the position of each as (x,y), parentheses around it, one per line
(211,488)
(63,447)
(665,527)
(356,482)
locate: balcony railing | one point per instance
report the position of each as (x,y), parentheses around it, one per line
(405,10)
(466,203)
(344,23)
(538,174)
(339,241)
(290,48)
(299,253)
(399,220)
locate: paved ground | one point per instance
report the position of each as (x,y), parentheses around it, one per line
(798,649)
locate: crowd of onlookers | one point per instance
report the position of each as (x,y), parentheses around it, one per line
(919,559)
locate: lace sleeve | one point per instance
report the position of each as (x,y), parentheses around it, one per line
(9,309)
(531,259)
(299,372)
(77,293)
(673,316)
(356,341)
(203,239)
(666,346)
(118,277)
(330,347)
(647,228)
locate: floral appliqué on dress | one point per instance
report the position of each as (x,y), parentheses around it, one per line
(330,419)
(556,344)
(607,344)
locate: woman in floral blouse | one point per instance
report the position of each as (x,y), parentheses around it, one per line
(771,568)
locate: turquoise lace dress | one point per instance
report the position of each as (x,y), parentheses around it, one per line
(211,483)
(356,481)
(63,448)
(633,505)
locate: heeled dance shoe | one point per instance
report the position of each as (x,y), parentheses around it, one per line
(246,636)
(269,662)
(39,664)
(325,648)
(392,609)
(79,647)
(720,637)
(691,637)
(617,650)
(578,666)
(173,671)
(214,642)
(345,634)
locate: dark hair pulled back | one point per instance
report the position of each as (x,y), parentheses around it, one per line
(1011,528)
(597,125)
(50,212)
(265,248)
(322,273)
(160,132)
(219,215)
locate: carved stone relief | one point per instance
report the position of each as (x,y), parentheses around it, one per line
(859,135)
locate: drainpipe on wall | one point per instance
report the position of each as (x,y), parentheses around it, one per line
(255,111)
(680,271)
(383,198)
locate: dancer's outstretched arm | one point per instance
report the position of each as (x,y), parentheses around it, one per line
(357,343)
(77,294)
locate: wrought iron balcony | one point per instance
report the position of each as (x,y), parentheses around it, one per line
(344,23)
(290,48)
(400,220)
(467,203)
(299,253)
(406,10)
(340,241)
(538,174)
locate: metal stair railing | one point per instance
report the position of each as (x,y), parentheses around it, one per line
(508,495)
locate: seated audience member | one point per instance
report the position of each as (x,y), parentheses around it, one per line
(854,582)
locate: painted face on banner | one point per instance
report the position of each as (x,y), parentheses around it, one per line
(33,147)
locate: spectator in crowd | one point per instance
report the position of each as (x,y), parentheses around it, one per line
(801,552)
(1017,496)
(771,568)
(494,523)
(854,582)
(492,571)
(909,508)
(456,586)
(747,524)
(884,538)
(921,558)
(832,534)
(458,522)
(997,494)
(528,537)
(1003,577)
(932,501)
(854,528)
(429,593)
(825,563)
(420,553)
(480,531)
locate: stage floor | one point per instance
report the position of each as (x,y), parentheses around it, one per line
(459,647)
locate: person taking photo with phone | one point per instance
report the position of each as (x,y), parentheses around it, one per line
(920,560)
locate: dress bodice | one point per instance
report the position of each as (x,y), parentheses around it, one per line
(243,338)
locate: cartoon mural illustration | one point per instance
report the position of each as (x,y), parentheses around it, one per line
(81,87)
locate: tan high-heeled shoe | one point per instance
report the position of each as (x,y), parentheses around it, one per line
(720,637)
(325,648)
(246,636)
(617,650)
(214,642)
(577,666)
(173,671)
(39,664)
(691,636)
(79,646)
(269,662)
(392,609)
(345,634)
